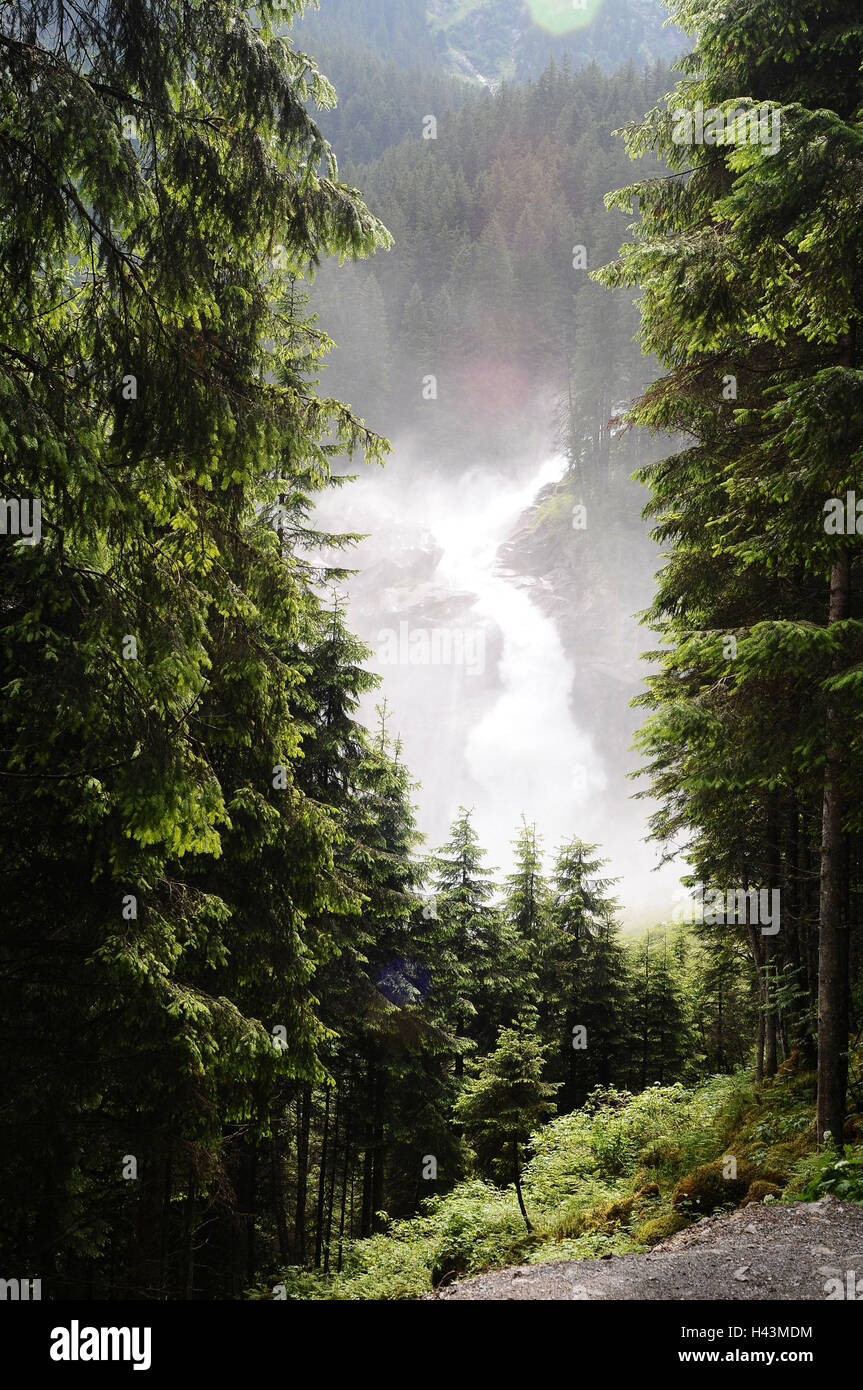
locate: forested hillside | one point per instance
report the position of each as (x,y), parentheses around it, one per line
(379,100)
(484,289)
(262,1038)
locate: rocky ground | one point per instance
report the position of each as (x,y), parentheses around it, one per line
(799,1250)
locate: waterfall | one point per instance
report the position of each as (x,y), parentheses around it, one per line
(497,733)
(524,753)
(476,675)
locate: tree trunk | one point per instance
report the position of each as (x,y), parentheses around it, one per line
(378,1154)
(769,1014)
(646,1014)
(517,1176)
(332,1193)
(770,943)
(344,1196)
(304,1115)
(187,1257)
(372,1157)
(281,1215)
(720,1052)
(165,1223)
(322,1183)
(147,1233)
(756,945)
(833,1019)
(759,1039)
(247,1182)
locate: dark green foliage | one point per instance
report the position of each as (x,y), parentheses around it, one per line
(748,258)
(661,1043)
(245,1020)
(381,102)
(505,1099)
(838,1175)
(170,883)
(584,979)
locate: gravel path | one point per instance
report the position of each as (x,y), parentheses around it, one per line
(778,1251)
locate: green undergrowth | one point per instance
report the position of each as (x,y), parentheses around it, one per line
(616,1176)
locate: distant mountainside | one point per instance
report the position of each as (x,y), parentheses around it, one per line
(514,39)
(380,103)
(398,31)
(491,40)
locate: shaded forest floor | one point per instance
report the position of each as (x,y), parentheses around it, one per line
(799,1250)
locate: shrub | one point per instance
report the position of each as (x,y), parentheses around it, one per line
(761,1189)
(605,1218)
(662,1153)
(660,1228)
(837,1176)
(595,1181)
(707,1188)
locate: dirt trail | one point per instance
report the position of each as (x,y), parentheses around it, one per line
(778,1251)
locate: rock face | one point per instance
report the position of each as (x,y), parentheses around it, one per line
(783,1251)
(592,582)
(511,38)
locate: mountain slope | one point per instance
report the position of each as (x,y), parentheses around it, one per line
(490,40)
(495,39)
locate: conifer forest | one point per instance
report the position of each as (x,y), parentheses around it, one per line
(431,655)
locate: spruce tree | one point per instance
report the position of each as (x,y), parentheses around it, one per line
(748,255)
(584,981)
(166,194)
(506,1099)
(472,966)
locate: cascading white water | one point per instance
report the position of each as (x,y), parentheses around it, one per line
(500,737)
(497,733)
(525,752)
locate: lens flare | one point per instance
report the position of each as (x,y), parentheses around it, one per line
(562,16)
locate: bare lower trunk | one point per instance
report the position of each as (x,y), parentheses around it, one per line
(756,946)
(769,1015)
(281,1216)
(304,1116)
(759,1039)
(833,1018)
(322,1183)
(518,1192)
(328,1226)
(344,1194)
